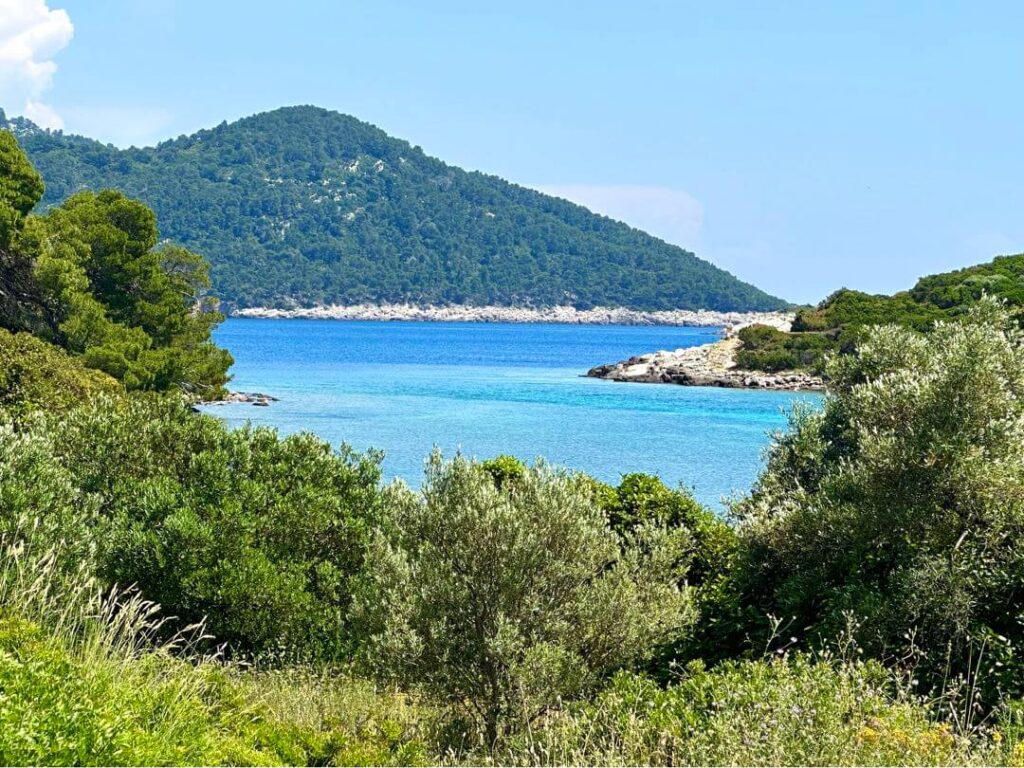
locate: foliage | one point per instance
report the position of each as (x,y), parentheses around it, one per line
(501,602)
(21,187)
(769,349)
(89,277)
(309,206)
(34,374)
(84,683)
(901,503)
(840,322)
(258,534)
(317,717)
(640,500)
(791,710)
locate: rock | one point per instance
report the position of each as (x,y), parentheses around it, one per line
(710,365)
(256,398)
(731,321)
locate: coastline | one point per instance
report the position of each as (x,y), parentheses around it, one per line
(499,314)
(708,365)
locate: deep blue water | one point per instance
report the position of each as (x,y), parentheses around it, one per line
(488,389)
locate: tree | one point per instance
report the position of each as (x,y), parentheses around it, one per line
(90,277)
(21,187)
(502,601)
(902,501)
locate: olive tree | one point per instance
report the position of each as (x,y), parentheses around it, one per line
(901,502)
(500,601)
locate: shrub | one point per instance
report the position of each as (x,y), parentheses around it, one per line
(258,534)
(35,374)
(902,502)
(83,683)
(640,500)
(769,349)
(501,602)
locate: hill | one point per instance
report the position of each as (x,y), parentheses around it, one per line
(306,206)
(838,322)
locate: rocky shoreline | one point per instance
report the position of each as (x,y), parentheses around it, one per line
(709,365)
(497,314)
(256,398)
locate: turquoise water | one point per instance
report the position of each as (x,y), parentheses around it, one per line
(488,389)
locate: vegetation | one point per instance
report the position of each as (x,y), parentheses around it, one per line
(769,349)
(284,607)
(899,503)
(501,602)
(89,277)
(34,375)
(298,512)
(301,205)
(840,322)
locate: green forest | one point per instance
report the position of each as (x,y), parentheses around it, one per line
(837,324)
(173,591)
(303,206)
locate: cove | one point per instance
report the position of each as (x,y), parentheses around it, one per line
(488,389)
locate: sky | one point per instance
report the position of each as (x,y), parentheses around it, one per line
(802,146)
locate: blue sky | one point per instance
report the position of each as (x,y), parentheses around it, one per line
(802,146)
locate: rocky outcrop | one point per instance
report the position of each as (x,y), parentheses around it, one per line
(495,314)
(256,398)
(709,365)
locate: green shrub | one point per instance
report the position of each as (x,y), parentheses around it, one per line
(769,349)
(501,602)
(504,470)
(35,374)
(83,683)
(258,534)
(902,503)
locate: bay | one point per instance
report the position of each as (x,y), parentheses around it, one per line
(488,389)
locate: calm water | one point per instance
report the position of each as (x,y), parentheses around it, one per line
(489,389)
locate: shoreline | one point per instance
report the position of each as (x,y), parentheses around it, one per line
(708,365)
(499,314)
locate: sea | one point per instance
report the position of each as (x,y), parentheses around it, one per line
(486,389)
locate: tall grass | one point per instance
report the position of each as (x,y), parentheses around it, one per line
(87,677)
(85,681)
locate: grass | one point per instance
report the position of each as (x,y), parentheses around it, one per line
(84,682)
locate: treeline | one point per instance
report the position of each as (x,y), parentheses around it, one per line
(306,206)
(838,323)
(176,592)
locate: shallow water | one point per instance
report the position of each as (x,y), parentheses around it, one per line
(488,389)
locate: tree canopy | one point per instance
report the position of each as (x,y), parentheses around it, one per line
(302,205)
(91,277)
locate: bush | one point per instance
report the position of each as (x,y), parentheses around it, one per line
(769,349)
(83,683)
(35,374)
(902,503)
(501,602)
(258,534)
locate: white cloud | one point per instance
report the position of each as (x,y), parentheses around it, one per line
(665,212)
(31,34)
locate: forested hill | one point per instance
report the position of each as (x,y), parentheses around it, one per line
(306,206)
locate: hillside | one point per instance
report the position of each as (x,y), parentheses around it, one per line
(306,206)
(838,322)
